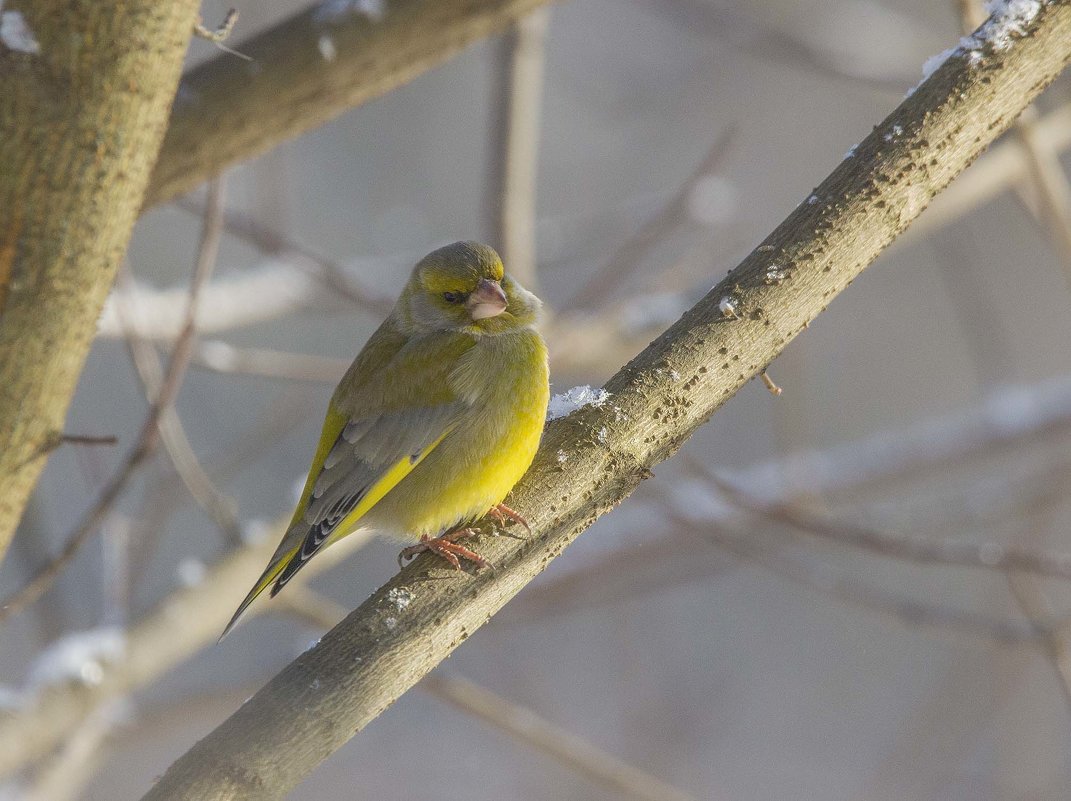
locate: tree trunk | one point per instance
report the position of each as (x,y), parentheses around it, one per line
(83,107)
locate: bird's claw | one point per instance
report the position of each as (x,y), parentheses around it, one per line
(501,513)
(446,547)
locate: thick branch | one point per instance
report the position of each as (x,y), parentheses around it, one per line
(593,459)
(307,70)
(81,120)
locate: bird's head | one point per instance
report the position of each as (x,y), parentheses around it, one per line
(463,287)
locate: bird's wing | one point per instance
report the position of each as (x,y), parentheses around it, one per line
(363,454)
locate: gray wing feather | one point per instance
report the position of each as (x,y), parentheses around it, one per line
(366,449)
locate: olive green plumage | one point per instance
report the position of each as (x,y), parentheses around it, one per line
(434,422)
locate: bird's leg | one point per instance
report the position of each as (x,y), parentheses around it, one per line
(501,513)
(447,547)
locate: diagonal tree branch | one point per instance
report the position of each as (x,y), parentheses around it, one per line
(307,70)
(82,114)
(595,457)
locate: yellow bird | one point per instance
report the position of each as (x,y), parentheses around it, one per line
(434,422)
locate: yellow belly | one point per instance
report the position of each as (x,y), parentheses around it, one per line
(476,466)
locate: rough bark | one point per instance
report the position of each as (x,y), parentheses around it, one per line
(593,459)
(81,121)
(307,70)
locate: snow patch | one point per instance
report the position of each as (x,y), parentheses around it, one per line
(326,46)
(1007,22)
(576,398)
(78,657)
(399,598)
(191,572)
(255,531)
(335,10)
(11,699)
(15,33)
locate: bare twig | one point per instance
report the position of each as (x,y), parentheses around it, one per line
(220,34)
(528,727)
(628,257)
(226,358)
(269,241)
(86,439)
(75,763)
(519,145)
(906,609)
(221,508)
(958,552)
(769,383)
(148,438)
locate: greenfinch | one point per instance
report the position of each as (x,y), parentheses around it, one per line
(437,418)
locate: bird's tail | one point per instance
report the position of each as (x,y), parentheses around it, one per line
(274,569)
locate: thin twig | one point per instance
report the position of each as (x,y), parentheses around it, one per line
(75,763)
(628,257)
(519,145)
(220,34)
(216,504)
(961,553)
(908,610)
(625,780)
(86,439)
(769,384)
(303,257)
(223,357)
(148,438)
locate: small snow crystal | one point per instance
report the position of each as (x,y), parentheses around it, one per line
(190,572)
(400,598)
(727,306)
(326,46)
(576,398)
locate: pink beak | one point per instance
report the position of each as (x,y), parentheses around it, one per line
(487,301)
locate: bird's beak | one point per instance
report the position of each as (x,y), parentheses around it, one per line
(487,301)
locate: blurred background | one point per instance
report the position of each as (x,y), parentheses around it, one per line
(700,641)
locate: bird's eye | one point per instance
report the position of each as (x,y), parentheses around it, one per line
(453,297)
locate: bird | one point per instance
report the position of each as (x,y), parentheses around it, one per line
(436,420)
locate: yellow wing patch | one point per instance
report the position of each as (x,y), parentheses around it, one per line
(333,425)
(385,484)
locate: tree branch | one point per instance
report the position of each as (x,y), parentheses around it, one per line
(595,457)
(307,70)
(81,121)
